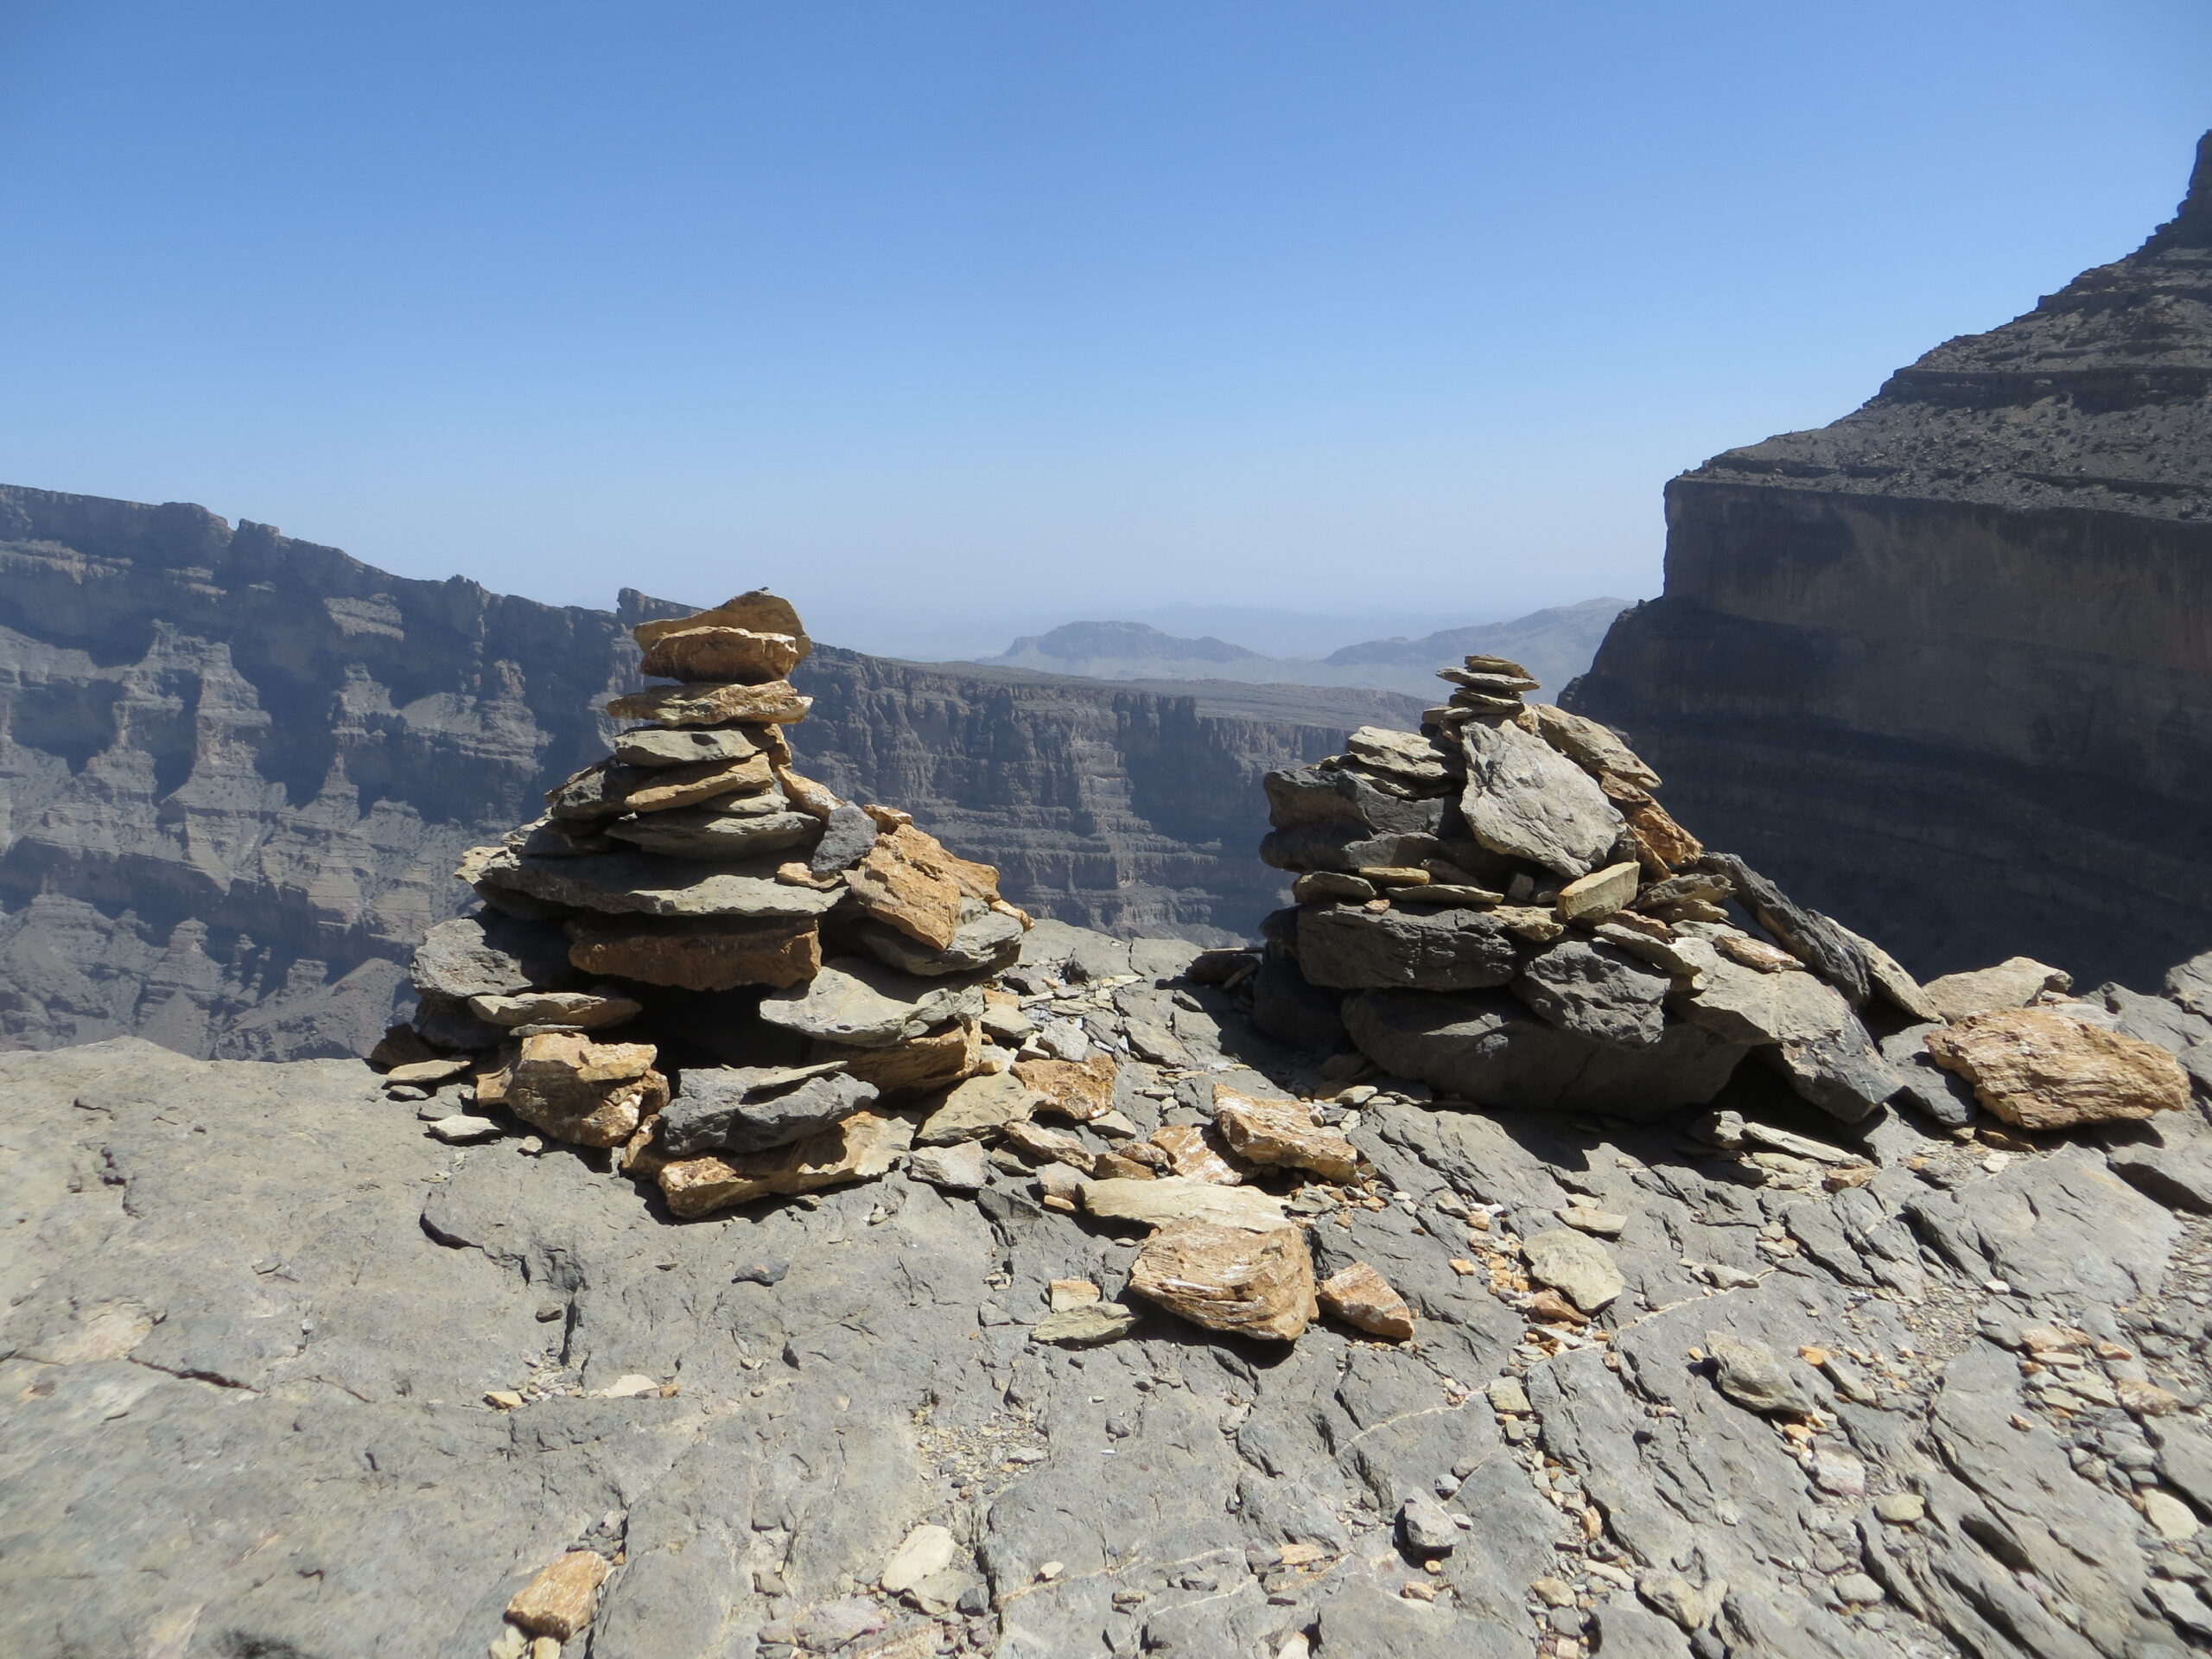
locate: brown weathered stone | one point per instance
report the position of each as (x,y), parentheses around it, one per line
(697,954)
(1228,1278)
(1362,1297)
(585,1010)
(816,800)
(1195,1153)
(559,1601)
(977,1109)
(861,1149)
(2010,984)
(1756,953)
(910,881)
(2043,1070)
(708,702)
(915,1066)
(1597,749)
(759,610)
(590,1094)
(707,780)
(714,653)
(1167,1198)
(1043,1146)
(1281,1135)
(1592,898)
(1077,1090)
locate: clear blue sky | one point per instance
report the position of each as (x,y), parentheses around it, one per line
(1027,311)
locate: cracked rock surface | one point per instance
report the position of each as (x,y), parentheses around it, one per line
(285,1375)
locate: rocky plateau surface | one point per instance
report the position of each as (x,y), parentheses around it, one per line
(1941,668)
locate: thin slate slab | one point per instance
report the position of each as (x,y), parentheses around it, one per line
(638,884)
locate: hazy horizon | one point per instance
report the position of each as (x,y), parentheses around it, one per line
(959,322)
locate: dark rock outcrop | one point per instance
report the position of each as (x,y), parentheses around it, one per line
(1944,668)
(237,771)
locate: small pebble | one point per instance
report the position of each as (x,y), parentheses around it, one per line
(1901,1508)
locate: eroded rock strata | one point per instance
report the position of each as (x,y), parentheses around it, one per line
(1940,667)
(236,769)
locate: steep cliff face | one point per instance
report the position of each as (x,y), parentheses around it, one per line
(237,771)
(1944,668)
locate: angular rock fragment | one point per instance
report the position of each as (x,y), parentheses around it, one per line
(561,1600)
(1362,1298)
(1281,1135)
(909,882)
(1595,748)
(2013,983)
(1227,1278)
(958,1168)
(574,1089)
(1086,1326)
(1196,1154)
(2039,1069)
(864,1004)
(697,954)
(490,955)
(916,1066)
(1175,1198)
(847,834)
(1576,1265)
(1751,1373)
(1525,799)
(976,1109)
(749,1109)
(638,883)
(926,1550)
(1426,1527)
(1077,1090)
(861,1149)
(1592,898)
(986,941)
(585,1010)
(1807,1027)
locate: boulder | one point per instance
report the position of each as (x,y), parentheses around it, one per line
(1349,947)
(1597,991)
(1525,799)
(1228,1278)
(710,703)
(699,953)
(2013,983)
(866,1005)
(1488,1048)
(1805,1028)
(2038,1068)
(750,1109)
(861,1149)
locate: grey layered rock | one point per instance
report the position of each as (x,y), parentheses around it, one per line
(1318,795)
(1944,1096)
(750,1109)
(865,1004)
(492,955)
(1833,951)
(987,941)
(1344,844)
(1426,1527)
(650,746)
(1525,799)
(1595,991)
(2191,985)
(640,884)
(1349,947)
(1804,1026)
(847,835)
(1489,1049)
(714,836)
(1754,1376)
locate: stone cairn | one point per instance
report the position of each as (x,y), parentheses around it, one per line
(1498,906)
(740,986)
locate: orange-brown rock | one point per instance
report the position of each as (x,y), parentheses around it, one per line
(816,800)
(559,1601)
(1362,1297)
(914,1067)
(2040,1069)
(861,1149)
(590,1094)
(1281,1135)
(1256,1284)
(674,786)
(716,653)
(1195,1153)
(705,953)
(1661,843)
(910,881)
(759,610)
(1043,1146)
(708,702)
(1078,1090)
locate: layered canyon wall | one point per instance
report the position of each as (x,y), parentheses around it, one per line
(1944,668)
(236,769)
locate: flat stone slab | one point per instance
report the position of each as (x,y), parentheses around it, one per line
(638,884)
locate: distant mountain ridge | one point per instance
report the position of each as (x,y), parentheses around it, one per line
(1555,644)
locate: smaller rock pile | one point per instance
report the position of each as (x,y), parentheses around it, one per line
(1498,905)
(742,985)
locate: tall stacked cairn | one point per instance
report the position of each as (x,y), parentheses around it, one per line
(694,910)
(1498,906)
